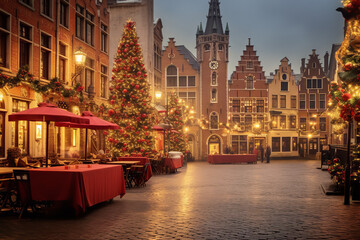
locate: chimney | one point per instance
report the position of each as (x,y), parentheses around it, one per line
(326,63)
(302,68)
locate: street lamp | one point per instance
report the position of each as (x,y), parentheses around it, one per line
(158,96)
(80,58)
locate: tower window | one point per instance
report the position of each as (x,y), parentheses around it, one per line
(207,47)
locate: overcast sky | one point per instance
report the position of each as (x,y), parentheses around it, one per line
(277,28)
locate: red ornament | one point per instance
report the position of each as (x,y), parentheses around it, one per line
(138,73)
(117,87)
(126,50)
(346,96)
(143,115)
(124,144)
(106,133)
(137,86)
(111,112)
(112,101)
(348,66)
(124,91)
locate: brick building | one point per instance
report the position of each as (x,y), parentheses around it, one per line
(313,100)
(182,76)
(212,47)
(249,109)
(44,35)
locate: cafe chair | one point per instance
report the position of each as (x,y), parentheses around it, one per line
(22,179)
(139,175)
(7,194)
(128,177)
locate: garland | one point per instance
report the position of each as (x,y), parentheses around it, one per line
(54,86)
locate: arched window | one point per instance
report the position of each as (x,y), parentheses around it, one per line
(214,121)
(171,76)
(207,47)
(214,79)
(213,95)
(250,82)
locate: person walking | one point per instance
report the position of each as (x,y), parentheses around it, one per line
(261,148)
(268,153)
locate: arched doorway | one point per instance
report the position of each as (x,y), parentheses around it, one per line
(214,144)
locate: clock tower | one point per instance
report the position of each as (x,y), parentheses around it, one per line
(212,47)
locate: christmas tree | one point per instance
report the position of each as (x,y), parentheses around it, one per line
(129,100)
(177,117)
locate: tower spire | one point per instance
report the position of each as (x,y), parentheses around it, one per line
(214,24)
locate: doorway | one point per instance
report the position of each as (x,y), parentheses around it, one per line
(303,147)
(214,144)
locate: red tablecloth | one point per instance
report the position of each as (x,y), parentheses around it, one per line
(173,163)
(232,158)
(83,186)
(142,160)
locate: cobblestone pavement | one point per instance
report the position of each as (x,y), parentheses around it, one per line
(280,200)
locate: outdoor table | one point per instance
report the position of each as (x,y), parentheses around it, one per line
(173,163)
(142,160)
(231,158)
(82,185)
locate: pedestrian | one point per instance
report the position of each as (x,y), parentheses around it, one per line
(268,153)
(261,148)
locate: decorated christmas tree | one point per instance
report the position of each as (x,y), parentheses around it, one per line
(177,115)
(130,100)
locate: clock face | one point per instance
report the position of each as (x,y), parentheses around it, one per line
(213,65)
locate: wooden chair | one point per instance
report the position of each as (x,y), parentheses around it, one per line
(22,178)
(139,175)
(7,193)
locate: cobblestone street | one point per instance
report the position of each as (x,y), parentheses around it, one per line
(280,200)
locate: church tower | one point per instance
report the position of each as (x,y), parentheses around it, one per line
(212,54)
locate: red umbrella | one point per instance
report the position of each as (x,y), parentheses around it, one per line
(94,123)
(47,112)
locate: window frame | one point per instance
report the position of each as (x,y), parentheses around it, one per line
(28,41)
(293,101)
(322,102)
(302,101)
(211,126)
(171,76)
(312,102)
(7,43)
(236,107)
(66,14)
(49,53)
(275,99)
(104,38)
(282,101)
(275,148)
(51,9)
(250,82)
(212,99)
(103,80)
(283,83)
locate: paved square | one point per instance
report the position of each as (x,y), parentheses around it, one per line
(280,200)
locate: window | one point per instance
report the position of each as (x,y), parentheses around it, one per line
(46,8)
(182,81)
(323,124)
(4,39)
(236,119)
(259,106)
(276,144)
(213,95)
(274,121)
(293,101)
(103,86)
(284,86)
(303,124)
(283,122)
(250,82)
(286,144)
(292,121)
(64,13)
(207,47)
(302,103)
(45,56)
(171,76)
(221,47)
(312,101)
(28,3)
(19,129)
(239,144)
(89,73)
(319,83)
(236,105)
(248,123)
(80,20)
(294,143)
(25,44)
(275,101)
(322,101)
(89,29)
(214,121)
(283,101)
(248,106)
(260,120)
(104,38)
(249,64)
(191,81)
(214,79)
(314,83)
(314,65)
(188,97)
(62,62)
